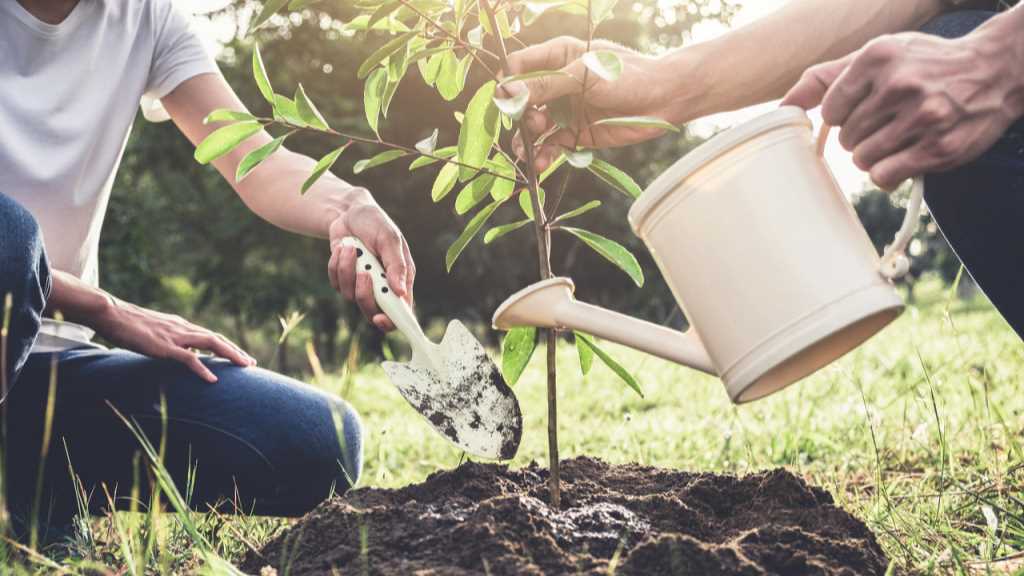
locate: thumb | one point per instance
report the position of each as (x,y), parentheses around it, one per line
(549,87)
(810,90)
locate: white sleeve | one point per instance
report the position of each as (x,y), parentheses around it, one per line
(178,54)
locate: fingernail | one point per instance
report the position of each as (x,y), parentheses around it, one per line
(514,88)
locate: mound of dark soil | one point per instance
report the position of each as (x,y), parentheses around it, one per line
(487,519)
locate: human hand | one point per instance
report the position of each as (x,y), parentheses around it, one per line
(910,104)
(162,335)
(365,220)
(642,89)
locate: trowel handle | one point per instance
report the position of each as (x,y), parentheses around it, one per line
(394,307)
(894,264)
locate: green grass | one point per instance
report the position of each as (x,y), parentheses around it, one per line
(918,432)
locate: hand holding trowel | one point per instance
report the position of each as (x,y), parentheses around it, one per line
(454,385)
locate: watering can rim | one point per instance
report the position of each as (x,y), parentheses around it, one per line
(697,158)
(519,295)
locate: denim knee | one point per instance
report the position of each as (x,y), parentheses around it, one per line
(24,275)
(21,246)
(957,24)
(349,431)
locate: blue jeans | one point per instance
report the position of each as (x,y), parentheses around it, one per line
(254,441)
(980,207)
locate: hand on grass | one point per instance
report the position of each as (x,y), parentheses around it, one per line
(162,335)
(910,104)
(368,222)
(643,88)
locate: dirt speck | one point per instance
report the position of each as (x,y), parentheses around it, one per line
(488,519)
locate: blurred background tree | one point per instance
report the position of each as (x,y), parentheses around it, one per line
(178,239)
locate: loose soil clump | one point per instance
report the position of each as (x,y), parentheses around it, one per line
(489,519)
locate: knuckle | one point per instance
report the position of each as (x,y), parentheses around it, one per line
(880,50)
(934,111)
(947,147)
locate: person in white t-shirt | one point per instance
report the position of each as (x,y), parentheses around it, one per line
(72,75)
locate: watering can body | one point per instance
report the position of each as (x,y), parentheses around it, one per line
(764,254)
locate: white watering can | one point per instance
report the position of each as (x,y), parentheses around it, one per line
(762,251)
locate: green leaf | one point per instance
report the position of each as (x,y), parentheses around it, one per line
(610,362)
(285,110)
(430,68)
(503,188)
(224,140)
(362,22)
(526,203)
(259,72)
(586,354)
(514,106)
(378,55)
(473,193)
(471,231)
(373,92)
(253,158)
(307,111)
(382,158)
(427,145)
(444,182)
(578,211)
(397,66)
(446,152)
(270,7)
(499,231)
(516,350)
(601,10)
(638,122)
(532,75)
(226,115)
(607,65)
(503,27)
(475,37)
(447,77)
(615,178)
(322,166)
(383,12)
(460,10)
(300,4)
(478,130)
(612,251)
(580,158)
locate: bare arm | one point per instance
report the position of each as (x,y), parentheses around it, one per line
(761,61)
(753,64)
(331,209)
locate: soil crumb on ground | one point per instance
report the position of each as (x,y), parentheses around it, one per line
(489,519)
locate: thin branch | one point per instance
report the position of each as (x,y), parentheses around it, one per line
(558,196)
(379,142)
(458,41)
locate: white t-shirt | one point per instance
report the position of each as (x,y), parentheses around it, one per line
(69,93)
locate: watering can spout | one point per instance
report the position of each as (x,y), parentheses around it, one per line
(550,304)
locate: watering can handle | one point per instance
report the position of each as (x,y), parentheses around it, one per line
(895,263)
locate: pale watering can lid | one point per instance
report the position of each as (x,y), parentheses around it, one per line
(707,152)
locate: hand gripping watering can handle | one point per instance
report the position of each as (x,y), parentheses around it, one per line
(895,263)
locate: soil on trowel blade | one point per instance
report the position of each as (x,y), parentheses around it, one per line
(488,519)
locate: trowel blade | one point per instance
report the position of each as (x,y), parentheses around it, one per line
(470,404)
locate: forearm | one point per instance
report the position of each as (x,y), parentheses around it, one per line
(273,192)
(273,189)
(760,61)
(76,300)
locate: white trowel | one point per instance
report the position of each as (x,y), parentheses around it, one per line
(455,385)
